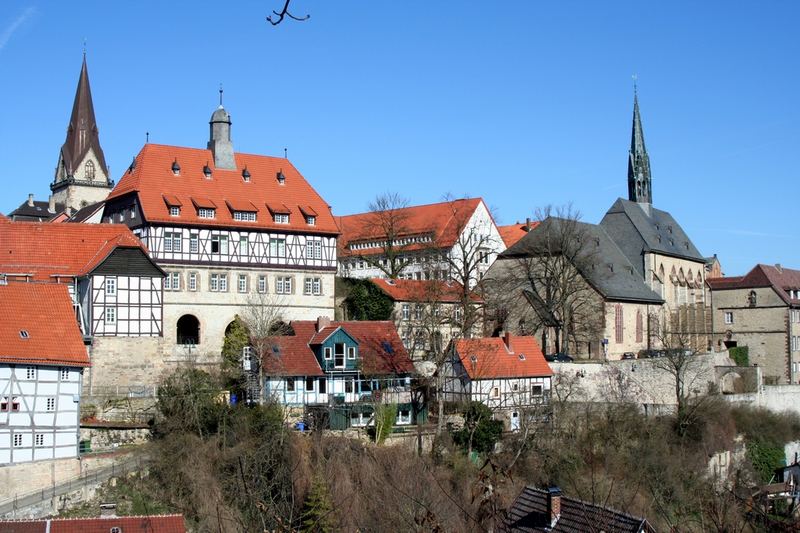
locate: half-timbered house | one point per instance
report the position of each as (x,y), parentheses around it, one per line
(348,367)
(509,374)
(227,227)
(42,358)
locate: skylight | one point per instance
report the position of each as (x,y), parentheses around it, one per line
(23,334)
(388,348)
(522,357)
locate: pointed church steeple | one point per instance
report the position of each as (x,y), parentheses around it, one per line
(639,180)
(82,174)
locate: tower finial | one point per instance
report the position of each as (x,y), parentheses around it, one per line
(84,48)
(220,95)
(635,78)
(147,137)
(639,179)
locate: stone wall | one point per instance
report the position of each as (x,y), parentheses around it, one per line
(110,438)
(25,477)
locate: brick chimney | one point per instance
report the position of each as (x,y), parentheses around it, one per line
(30,200)
(322,323)
(507,340)
(553,505)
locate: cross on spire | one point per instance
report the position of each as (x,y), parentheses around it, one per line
(220,95)
(639,179)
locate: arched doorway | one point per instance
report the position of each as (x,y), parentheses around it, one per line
(188,330)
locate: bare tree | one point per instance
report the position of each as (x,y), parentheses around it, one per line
(551,271)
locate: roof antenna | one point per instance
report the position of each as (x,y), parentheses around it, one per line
(220,95)
(285,152)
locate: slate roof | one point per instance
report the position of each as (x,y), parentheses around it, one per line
(611,273)
(52,336)
(45,250)
(414,290)
(443,221)
(38,212)
(639,228)
(528,514)
(291,355)
(126,524)
(86,212)
(152,180)
(490,357)
(780,279)
(512,233)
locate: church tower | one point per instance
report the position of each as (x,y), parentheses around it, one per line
(81,175)
(639,181)
(219,141)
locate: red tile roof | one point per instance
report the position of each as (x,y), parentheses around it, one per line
(514,232)
(44,249)
(412,290)
(489,357)
(152,177)
(127,524)
(44,311)
(294,356)
(780,279)
(443,221)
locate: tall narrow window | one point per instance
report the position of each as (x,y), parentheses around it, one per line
(111,315)
(244,246)
(194,243)
(89,170)
(111,286)
(262,284)
(639,326)
(192,281)
(618,323)
(242,284)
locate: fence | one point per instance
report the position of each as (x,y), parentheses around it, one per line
(24,500)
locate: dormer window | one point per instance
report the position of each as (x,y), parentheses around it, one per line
(23,334)
(246,175)
(244,216)
(281,178)
(207,171)
(280,218)
(176,168)
(311,220)
(174,211)
(205,212)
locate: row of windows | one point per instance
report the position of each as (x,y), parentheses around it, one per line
(241,216)
(10,404)
(536,391)
(795,343)
(619,325)
(419,309)
(350,385)
(173,242)
(398,242)
(63,373)
(38,440)
(218,282)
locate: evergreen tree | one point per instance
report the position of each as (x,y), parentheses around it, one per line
(367,302)
(236,338)
(317,513)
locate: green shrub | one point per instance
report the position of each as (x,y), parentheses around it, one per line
(740,355)
(367,302)
(765,458)
(480,431)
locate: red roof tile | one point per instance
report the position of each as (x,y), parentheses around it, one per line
(45,250)
(44,311)
(152,176)
(294,356)
(127,524)
(780,279)
(514,232)
(172,200)
(413,290)
(443,221)
(489,357)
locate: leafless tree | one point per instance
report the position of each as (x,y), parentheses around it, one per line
(263,317)
(283,13)
(550,273)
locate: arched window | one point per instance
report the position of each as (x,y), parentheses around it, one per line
(661,275)
(752,299)
(618,323)
(639,326)
(188,330)
(88,171)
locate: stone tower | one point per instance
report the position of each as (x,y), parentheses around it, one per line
(81,175)
(639,181)
(219,141)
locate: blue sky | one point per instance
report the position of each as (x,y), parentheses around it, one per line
(523,103)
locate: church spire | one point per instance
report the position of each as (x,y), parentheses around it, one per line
(82,132)
(639,180)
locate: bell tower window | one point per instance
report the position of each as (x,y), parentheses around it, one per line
(89,170)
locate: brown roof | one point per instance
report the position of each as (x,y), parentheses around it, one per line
(126,524)
(291,355)
(152,180)
(39,325)
(781,279)
(442,221)
(490,357)
(514,232)
(45,250)
(413,290)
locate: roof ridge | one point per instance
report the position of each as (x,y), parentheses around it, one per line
(414,206)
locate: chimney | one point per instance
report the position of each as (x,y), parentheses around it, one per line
(527,223)
(30,200)
(108,510)
(507,340)
(777,265)
(322,323)
(553,505)
(51,205)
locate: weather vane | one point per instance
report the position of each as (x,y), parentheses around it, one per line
(220,95)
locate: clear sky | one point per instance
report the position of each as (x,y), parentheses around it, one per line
(522,103)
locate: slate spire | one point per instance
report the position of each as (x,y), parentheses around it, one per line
(82,132)
(639,180)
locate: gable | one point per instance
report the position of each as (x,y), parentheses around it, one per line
(129,262)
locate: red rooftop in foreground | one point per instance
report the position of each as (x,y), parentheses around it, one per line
(114,524)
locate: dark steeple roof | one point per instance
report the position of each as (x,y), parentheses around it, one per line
(639,181)
(82,132)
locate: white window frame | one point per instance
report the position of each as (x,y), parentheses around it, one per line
(280,218)
(244,216)
(262,284)
(244,245)
(194,243)
(174,211)
(241,283)
(406,309)
(283,285)
(206,212)
(64,374)
(311,220)
(351,352)
(213,283)
(192,281)
(30,372)
(307,286)
(277,247)
(110,315)
(728,317)
(111,286)
(223,283)
(328,353)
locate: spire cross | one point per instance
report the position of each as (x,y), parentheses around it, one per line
(635,78)
(84,47)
